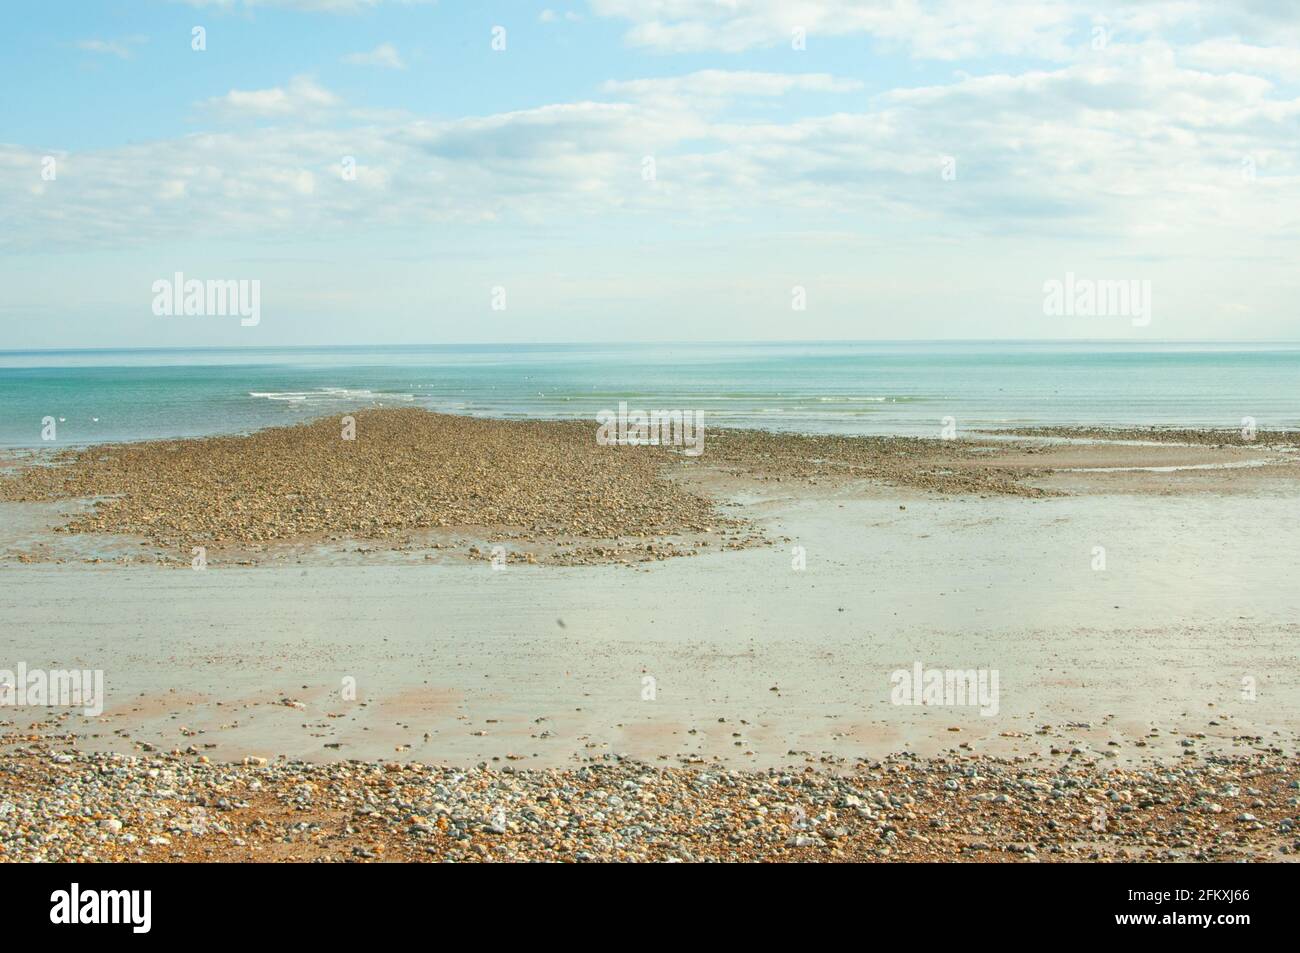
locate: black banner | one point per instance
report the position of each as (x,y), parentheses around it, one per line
(140,903)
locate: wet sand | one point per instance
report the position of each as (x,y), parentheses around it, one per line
(455,660)
(1182,649)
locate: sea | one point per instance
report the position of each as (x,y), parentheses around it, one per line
(896,387)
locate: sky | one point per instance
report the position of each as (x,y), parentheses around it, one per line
(647,170)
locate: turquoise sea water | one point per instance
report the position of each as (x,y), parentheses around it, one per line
(820,387)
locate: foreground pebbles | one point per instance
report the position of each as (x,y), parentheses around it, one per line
(58,804)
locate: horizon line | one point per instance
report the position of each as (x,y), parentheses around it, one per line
(757,341)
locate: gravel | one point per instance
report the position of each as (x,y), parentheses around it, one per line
(59,804)
(409,470)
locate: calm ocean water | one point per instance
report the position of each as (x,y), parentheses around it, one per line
(820,387)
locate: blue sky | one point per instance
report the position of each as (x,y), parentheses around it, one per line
(919,169)
(73,98)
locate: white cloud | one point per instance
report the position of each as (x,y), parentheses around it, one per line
(1230,55)
(1128,143)
(1056,30)
(550,16)
(714,88)
(305,6)
(938,29)
(301,98)
(385,55)
(120,48)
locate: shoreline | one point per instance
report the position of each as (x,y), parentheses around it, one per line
(415,481)
(757,663)
(969,554)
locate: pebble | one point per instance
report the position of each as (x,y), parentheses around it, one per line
(165,807)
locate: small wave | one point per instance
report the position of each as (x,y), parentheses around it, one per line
(1234,465)
(855,400)
(328,394)
(275,395)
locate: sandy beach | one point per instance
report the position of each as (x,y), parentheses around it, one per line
(350,609)
(662,432)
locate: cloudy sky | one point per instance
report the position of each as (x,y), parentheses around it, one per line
(647,169)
